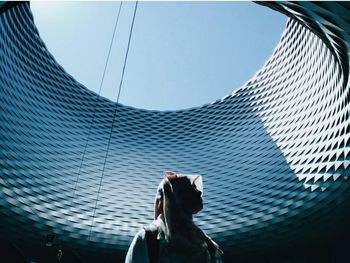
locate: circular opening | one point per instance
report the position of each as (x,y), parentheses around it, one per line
(182,54)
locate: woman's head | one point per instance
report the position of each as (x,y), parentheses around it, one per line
(182,192)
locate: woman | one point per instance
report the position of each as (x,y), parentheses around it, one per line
(173,236)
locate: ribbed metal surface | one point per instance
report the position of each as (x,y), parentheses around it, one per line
(274,154)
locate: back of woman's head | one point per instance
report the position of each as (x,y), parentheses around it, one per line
(179,192)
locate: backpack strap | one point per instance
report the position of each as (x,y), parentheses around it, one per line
(152,244)
(214,250)
(211,248)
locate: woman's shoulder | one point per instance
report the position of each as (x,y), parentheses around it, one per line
(137,250)
(141,234)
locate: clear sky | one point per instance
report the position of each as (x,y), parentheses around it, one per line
(182,54)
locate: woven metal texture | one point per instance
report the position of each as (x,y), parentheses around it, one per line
(274,154)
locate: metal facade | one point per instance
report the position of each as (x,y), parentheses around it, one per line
(274,154)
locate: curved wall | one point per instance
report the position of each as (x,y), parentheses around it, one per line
(274,154)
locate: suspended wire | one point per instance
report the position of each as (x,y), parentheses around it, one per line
(127,51)
(99,93)
(114,115)
(110,47)
(94,113)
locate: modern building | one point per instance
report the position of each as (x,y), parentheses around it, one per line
(79,172)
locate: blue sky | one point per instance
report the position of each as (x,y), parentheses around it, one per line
(182,54)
